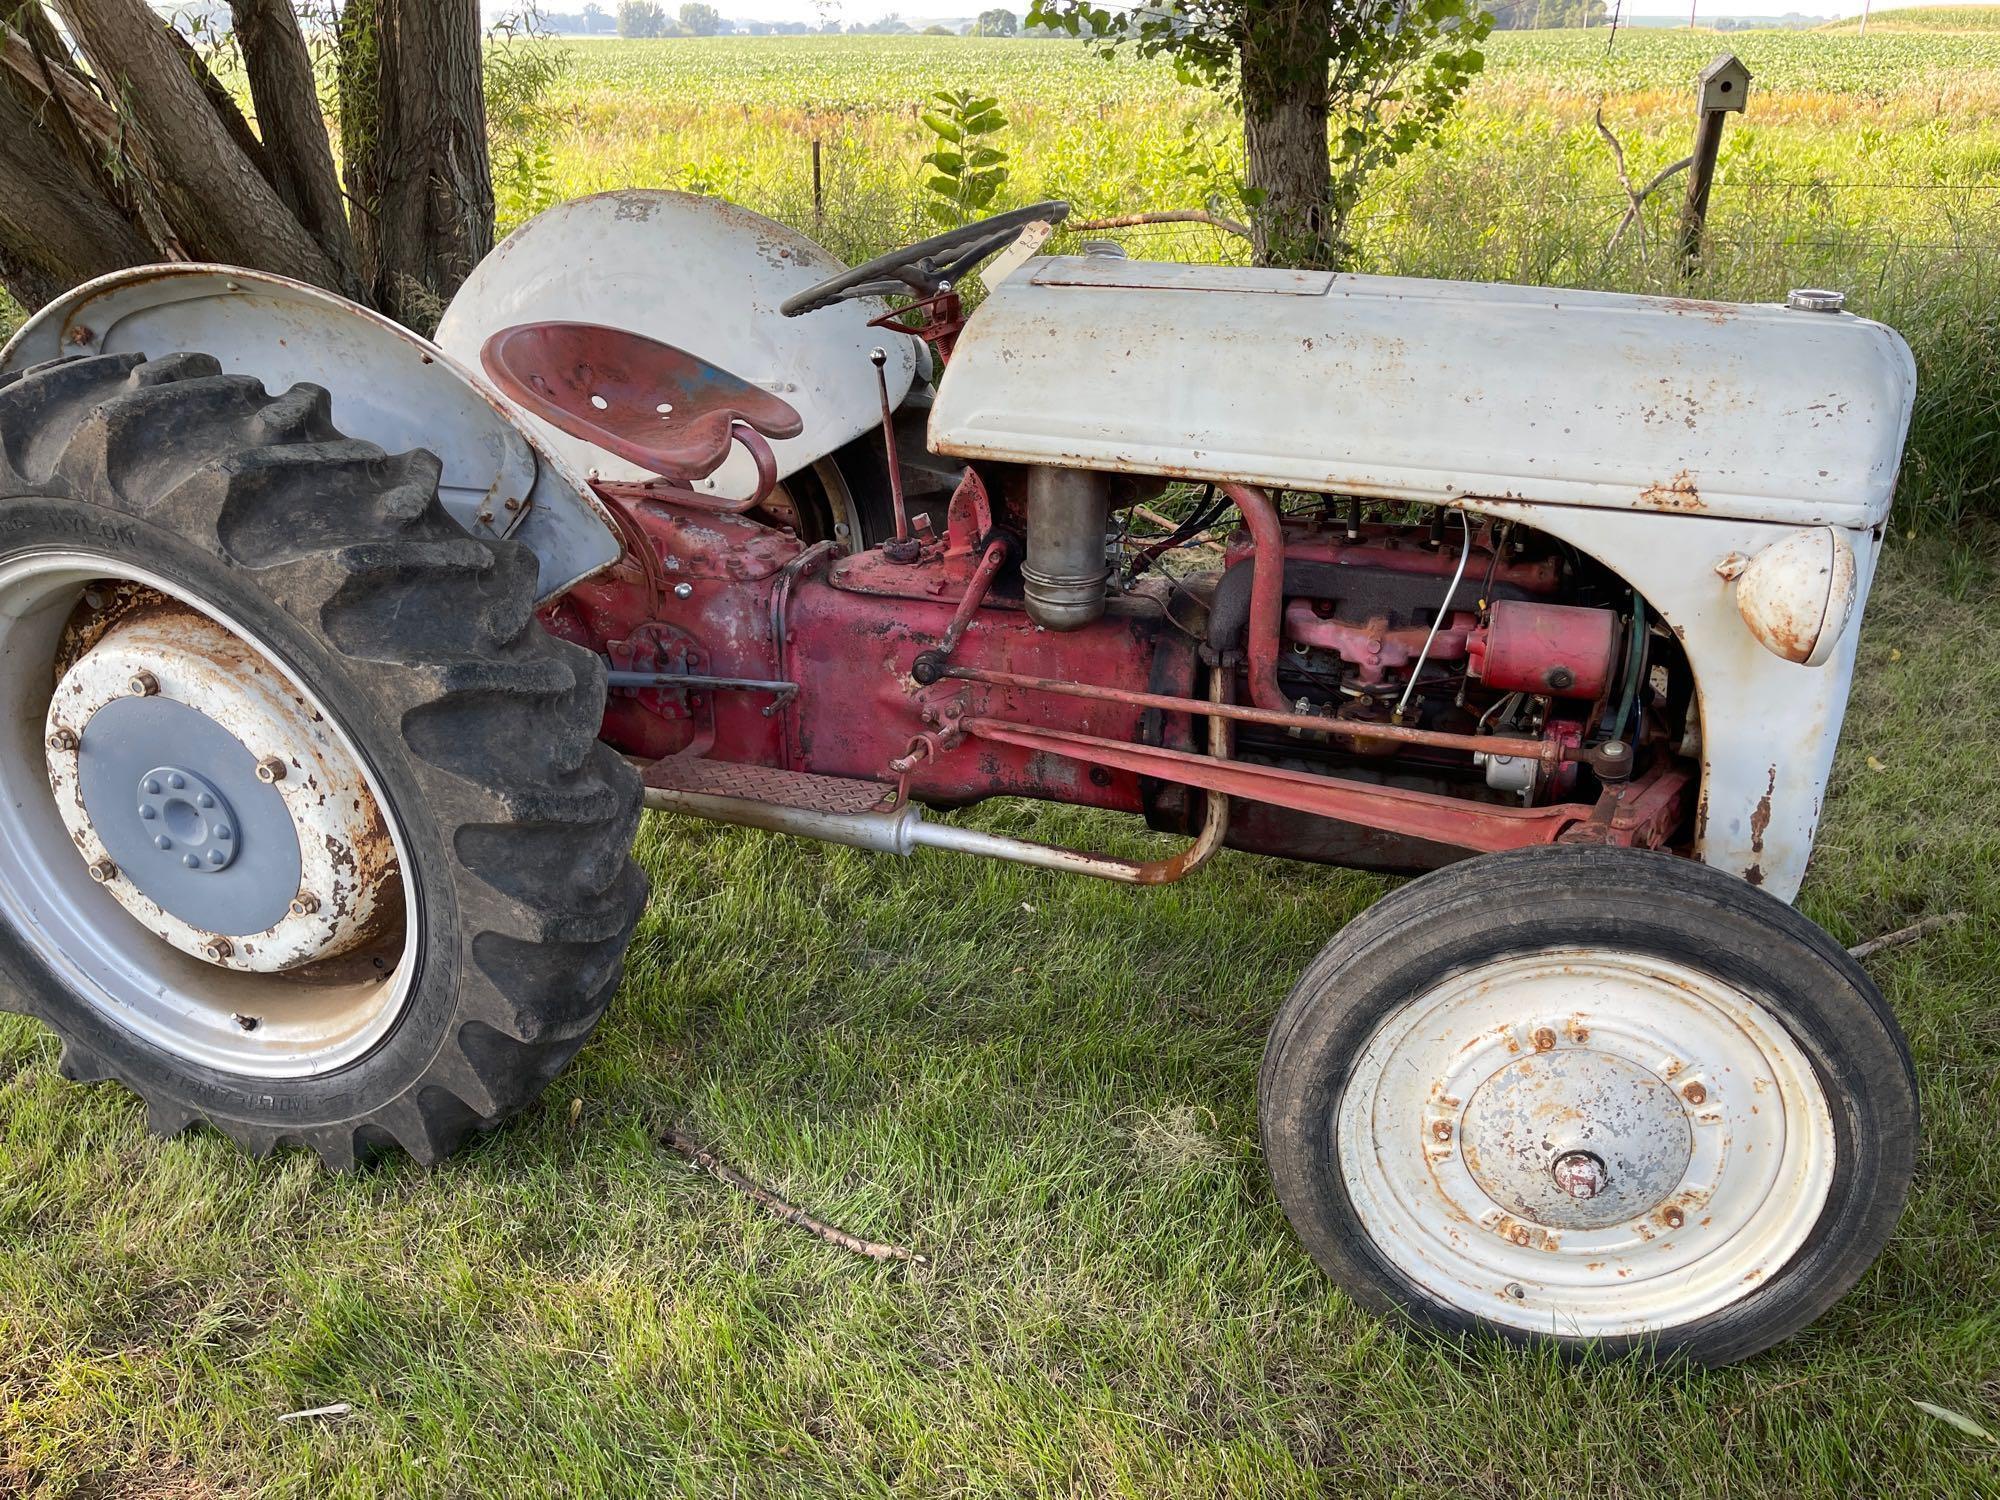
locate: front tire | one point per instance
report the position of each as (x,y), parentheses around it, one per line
(1594,1097)
(434,889)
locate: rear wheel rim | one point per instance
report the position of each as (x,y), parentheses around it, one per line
(1585,1143)
(297,1024)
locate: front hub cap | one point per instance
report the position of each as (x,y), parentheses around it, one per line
(156,736)
(1576,1138)
(1585,1143)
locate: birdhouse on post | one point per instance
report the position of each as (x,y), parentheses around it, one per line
(1722,90)
(1724,85)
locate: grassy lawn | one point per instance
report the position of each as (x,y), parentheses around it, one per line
(1047,1087)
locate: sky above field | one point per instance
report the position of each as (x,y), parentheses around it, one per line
(920,12)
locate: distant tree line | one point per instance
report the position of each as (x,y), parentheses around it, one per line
(1546,15)
(650,18)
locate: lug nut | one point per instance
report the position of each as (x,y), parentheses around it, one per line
(1441,1130)
(143,685)
(63,739)
(1694,1092)
(1675,1218)
(304,904)
(103,871)
(1579,1174)
(270,770)
(245,1023)
(217,949)
(1545,1039)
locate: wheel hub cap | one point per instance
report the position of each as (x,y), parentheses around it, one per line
(212,802)
(1585,1142)
(1574,1138)
(188,819)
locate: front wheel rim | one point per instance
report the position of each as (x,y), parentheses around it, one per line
(293,1025)
(1585,1144)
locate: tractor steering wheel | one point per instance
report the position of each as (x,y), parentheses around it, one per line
(927,267)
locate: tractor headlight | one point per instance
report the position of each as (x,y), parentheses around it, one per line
(1796,595)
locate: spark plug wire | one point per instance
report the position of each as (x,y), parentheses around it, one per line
(1444,609)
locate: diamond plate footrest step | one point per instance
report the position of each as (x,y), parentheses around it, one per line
(794,789)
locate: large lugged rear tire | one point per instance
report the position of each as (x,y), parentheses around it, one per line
(1594,1097)
(475,888)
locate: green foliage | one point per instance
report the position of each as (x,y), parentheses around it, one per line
(1937,18)
(643,18)
(996,23)
(522,73)
(698,19)
(1392,71)
(966,170)
(1393,86)
(1545,15)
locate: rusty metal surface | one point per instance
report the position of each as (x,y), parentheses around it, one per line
(1485,827)
(1768,727)
(1595,1139)
(1396,734)
(1796,594)
(670,412)
(1403,389)
(1533,647)
(1058,734)
(794,789)
(1267,592)
(212,1008)
(1375,647)
(347,891)
(700,274)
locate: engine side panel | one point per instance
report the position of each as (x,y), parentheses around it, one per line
(1769,727)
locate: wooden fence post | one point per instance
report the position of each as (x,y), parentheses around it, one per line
(819,195)
(1722,89)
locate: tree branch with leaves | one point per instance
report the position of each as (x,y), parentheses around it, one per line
(1332,92)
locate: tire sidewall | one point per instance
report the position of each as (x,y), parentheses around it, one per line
(1654,905)
(47,523)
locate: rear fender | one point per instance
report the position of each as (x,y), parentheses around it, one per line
(704,276)
(388,386)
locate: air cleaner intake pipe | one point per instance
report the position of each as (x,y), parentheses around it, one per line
(1065,573)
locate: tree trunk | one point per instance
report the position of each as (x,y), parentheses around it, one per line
(242,218)
(101,150)
(142,156)
(296,150)
(413,129)
(56,228)
(1285,112)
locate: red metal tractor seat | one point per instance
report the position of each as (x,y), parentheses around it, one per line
(670,412)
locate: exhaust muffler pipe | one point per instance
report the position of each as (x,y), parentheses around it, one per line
(1065,573)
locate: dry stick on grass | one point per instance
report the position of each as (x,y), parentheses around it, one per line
(1164,216)
(1635,197)
(1904,935)
(788,1213)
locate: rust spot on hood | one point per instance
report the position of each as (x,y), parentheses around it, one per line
(1760,816)
(1678,493)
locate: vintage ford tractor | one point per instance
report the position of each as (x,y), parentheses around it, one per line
(339,665)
